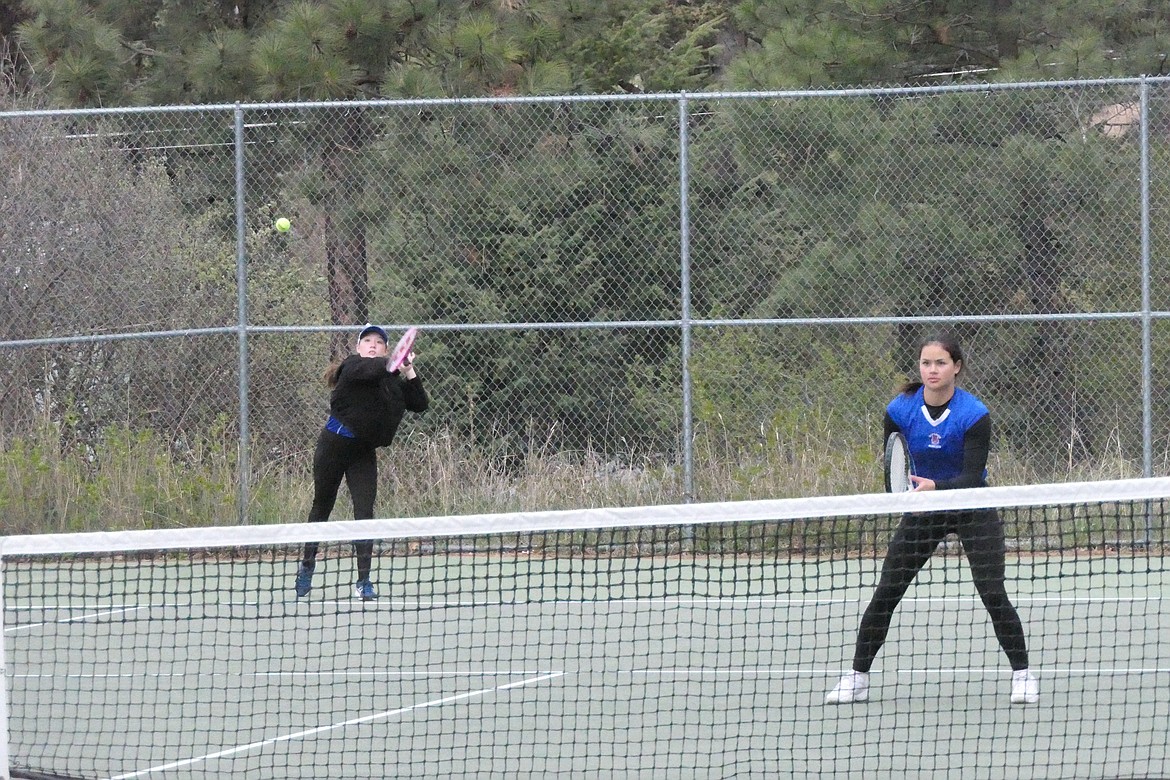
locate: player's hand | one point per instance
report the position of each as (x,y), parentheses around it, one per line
(407,367)
(921,484)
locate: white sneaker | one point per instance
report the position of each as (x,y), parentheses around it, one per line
(853,686)
(1025,687)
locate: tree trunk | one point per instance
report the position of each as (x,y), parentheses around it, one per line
(346,259)
(349,286)
(1005,34)
(1057,416)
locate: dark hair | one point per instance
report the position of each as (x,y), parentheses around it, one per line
(944,340)
(332,373)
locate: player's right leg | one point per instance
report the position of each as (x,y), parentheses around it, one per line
(330,460)
(913,543)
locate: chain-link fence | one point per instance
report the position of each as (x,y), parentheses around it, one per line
(623,299)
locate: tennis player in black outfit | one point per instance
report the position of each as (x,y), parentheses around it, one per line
(948,431)
(365,409)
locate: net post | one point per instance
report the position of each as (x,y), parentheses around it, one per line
(4,770)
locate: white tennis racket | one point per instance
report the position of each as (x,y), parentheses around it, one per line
(899,467)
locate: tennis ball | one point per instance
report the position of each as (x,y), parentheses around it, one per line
(283,225)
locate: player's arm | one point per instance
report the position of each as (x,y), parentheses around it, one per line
(888,427)
(976,448)
(413,394)
(356,368)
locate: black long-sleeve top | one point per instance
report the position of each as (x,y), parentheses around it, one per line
(371,402)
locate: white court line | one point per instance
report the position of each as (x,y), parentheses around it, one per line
(994,672)
(747,601)
(375,673)
(76,619)
(655,600)
(735,601)
(321,729)
(54,607)
(674,673)
(360,673)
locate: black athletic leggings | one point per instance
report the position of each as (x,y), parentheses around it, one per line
(339,456)
(917,537)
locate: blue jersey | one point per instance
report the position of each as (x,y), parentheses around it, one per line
(936,446)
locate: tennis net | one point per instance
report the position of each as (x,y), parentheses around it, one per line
(674,641)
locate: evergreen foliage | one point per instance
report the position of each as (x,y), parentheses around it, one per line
(557,212)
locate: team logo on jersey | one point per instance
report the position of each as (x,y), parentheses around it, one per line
(935,441)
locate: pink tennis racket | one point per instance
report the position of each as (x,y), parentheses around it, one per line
(401,350)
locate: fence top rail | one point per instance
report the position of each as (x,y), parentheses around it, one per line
(449,327)
(602,98)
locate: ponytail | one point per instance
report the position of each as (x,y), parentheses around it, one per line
(332,373)
(910,386)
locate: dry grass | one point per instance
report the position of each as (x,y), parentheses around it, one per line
(135,480)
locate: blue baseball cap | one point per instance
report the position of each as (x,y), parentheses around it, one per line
(376,331)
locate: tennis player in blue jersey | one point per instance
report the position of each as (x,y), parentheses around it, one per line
(948,431)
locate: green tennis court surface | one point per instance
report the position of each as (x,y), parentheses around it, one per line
(517,665)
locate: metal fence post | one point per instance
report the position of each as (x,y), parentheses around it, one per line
(685,295)
(242,323)
(1147,318)
(4,769)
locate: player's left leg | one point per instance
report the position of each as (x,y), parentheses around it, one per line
(362,479)
(981,533)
